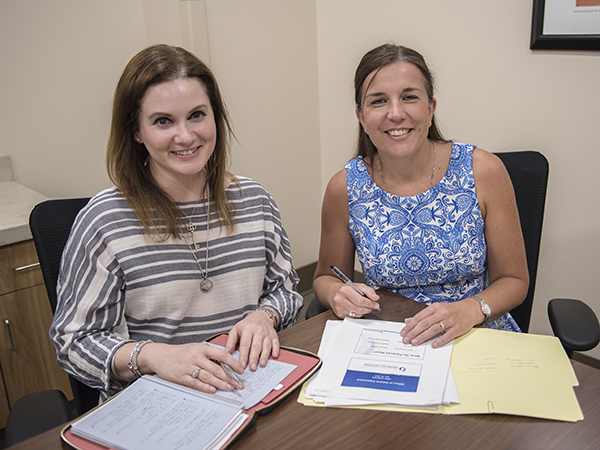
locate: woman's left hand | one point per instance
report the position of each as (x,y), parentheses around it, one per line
(446,320)
(257,339)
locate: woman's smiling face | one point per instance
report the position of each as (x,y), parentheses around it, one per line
(396,112)
(177,127)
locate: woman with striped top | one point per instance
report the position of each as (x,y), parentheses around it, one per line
(178,250)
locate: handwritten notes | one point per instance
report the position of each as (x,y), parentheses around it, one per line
(152,414)
(503,359)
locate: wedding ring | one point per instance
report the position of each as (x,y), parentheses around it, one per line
(441,324)
(352,314)
(195,372)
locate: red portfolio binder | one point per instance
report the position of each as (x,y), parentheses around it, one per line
(306,364)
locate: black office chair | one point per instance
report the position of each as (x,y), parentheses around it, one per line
(528,172)
(573,322)
(50,224)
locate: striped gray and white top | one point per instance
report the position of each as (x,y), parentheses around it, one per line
(117,285)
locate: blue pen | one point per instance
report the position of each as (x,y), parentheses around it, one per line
(348,281)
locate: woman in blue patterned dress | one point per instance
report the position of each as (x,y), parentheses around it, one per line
(431,219)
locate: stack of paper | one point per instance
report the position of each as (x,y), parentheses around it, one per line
(365,362)
(495,372)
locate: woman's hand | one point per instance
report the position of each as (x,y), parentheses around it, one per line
(348,303)
(257,339)
(446,320)
(179,363)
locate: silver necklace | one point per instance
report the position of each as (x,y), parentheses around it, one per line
(430,179)
(206,285)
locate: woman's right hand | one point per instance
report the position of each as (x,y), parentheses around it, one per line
(177,363)
(346,302)
(337,249)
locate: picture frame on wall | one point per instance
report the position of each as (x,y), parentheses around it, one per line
(565,25)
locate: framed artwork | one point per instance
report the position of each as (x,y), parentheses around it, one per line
(565,25)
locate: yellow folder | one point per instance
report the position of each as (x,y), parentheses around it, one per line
(506,373)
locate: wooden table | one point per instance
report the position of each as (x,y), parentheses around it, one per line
(294,426)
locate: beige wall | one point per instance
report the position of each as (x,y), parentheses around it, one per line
(286,67)
(61,61)
(264,53)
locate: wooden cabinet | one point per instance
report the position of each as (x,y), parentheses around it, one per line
(27,356)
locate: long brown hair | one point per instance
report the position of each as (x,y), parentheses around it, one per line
(127,160)
(375,60)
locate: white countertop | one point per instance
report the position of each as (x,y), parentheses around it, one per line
(16,202)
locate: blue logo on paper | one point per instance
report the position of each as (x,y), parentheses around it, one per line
(385,381)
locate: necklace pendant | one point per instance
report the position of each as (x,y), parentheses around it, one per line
(191,227)
(206,286)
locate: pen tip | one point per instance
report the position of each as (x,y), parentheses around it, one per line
(331,265)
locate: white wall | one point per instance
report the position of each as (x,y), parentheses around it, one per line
(286,68)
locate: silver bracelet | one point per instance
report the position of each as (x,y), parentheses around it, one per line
(113,370)
(133,359)
(271,315)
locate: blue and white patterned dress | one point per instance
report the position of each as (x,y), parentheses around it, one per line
(429,247)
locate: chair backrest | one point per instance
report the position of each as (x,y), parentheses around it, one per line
(50,224)
(528,172)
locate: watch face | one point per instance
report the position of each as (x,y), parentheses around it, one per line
(486,310)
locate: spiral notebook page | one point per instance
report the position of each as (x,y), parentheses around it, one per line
(258,383)
(152,414)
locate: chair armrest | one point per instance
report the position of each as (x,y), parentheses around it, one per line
(314,308)
(574,323)
(35,413)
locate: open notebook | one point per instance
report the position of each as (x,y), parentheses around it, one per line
(153,413)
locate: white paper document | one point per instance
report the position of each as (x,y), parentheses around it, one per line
(257,383)
(366,362)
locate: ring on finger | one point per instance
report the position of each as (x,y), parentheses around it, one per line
(352,314)
(442,326)
(196,372)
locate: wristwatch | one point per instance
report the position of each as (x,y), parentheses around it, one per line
(485,308)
